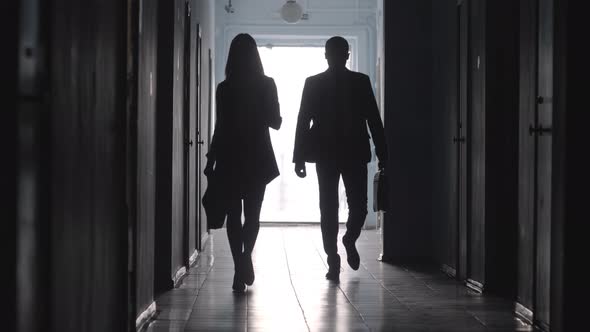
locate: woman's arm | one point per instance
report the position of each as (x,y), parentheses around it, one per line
(273,107)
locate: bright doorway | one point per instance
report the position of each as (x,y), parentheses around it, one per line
(290,198)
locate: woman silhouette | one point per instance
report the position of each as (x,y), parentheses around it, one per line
(241,152)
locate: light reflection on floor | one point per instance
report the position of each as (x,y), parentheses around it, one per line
(291,294)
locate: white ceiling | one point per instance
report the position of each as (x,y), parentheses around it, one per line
(319,11)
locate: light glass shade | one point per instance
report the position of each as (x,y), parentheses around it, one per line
(291,11)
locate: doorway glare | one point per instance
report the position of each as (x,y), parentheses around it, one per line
(289,198)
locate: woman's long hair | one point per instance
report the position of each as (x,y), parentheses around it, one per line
(243,57)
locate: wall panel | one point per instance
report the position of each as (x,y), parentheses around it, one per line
(444,129)
(178,142)
(146,153)
(407,232)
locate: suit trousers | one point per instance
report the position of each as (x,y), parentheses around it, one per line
(354,176)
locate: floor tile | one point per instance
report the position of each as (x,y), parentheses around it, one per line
(290,292)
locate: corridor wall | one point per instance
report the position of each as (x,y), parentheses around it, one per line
(173,101)
(88,257)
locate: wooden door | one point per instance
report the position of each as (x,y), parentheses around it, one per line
(476,147)
(527,156)
(542,131)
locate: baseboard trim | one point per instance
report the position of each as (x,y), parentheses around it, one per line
(524,313)
(145,317)
(180,273)
(193,259)
(450,271)
(474,285)
(405,260)
(386,259)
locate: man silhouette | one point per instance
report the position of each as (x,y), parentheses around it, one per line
(336,107)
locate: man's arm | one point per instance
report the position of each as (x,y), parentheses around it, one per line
(375,123)
(303,119)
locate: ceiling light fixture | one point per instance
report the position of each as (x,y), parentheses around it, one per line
(291,11)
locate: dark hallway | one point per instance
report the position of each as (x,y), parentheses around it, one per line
(111,107)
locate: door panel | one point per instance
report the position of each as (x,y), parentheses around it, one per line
(544,157)
(206,133)
(526,177)
(164,140)
(200,227)
(476,145)
(194,102)
(146,155)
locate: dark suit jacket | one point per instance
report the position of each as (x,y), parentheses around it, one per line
(241,146)
(340,103)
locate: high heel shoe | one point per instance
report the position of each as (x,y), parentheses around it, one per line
(238,285)
(247,270)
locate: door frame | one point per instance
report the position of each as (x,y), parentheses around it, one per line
(542,132)
(199,149)
(187,137)
(462,133)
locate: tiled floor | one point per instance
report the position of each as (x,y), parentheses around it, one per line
(291,294)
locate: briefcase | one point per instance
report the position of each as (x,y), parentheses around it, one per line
(380,191)
(215,202)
